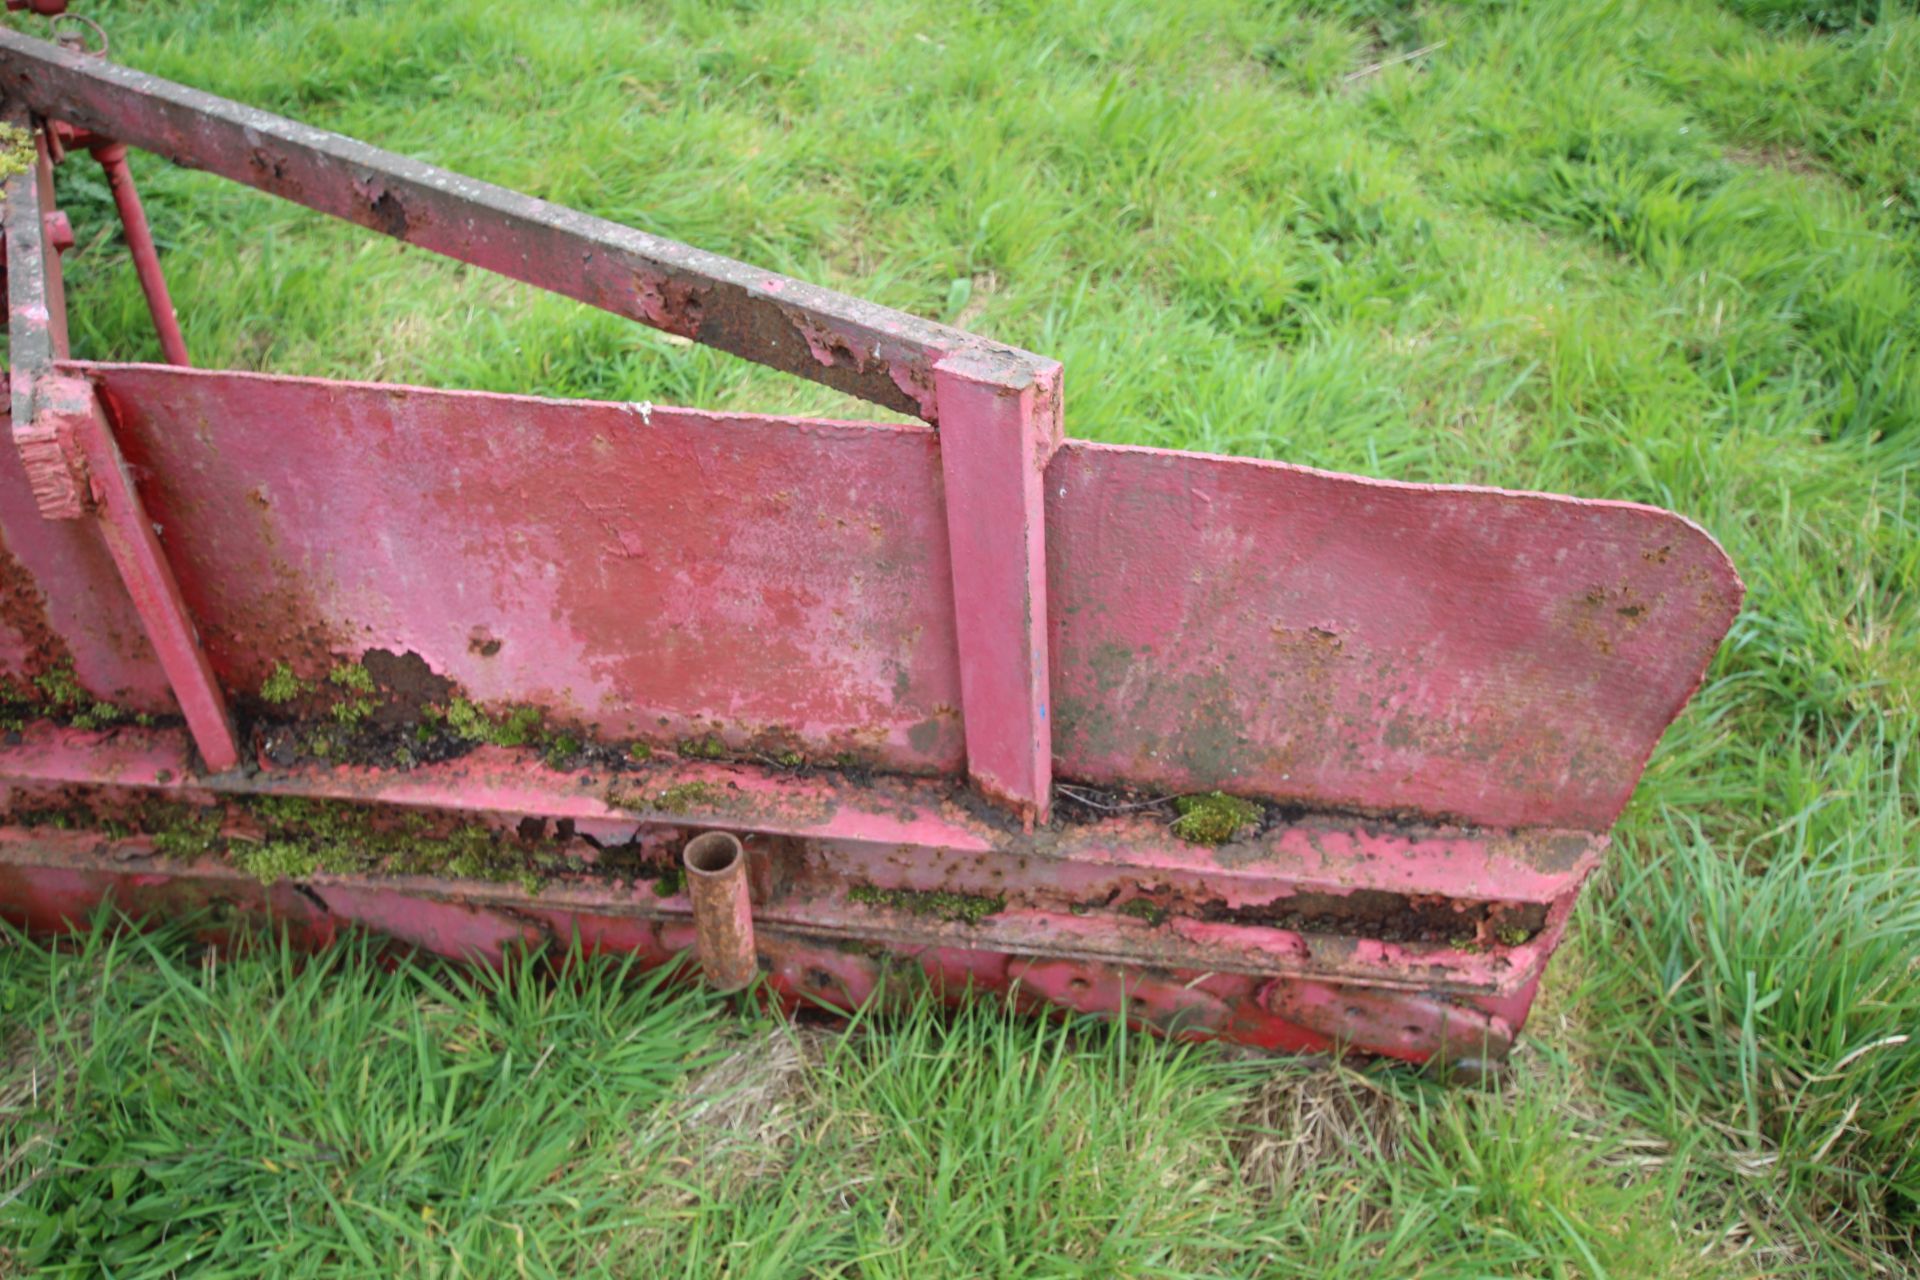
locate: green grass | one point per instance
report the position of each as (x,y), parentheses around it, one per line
(1667,252)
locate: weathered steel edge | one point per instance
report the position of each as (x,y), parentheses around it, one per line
(866,350)
(1334,854)
(98,369)
(1247,950)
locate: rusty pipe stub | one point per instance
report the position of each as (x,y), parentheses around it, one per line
(716,866)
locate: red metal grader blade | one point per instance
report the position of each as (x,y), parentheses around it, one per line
(1233,748)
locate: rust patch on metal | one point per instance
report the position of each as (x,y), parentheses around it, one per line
(670,304)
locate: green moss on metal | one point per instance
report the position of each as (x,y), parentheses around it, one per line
(516,728)
(271,860)
(686,796)
(97,715)
(300,837)
(964,908)
(1213,818)
(182,830)
(708,748)
(352,677)
(282,686)
(560,749)
(59,687)
(1143,909)
(1513,935)
(58,695)
(352,711)
(290,837)
(639,753)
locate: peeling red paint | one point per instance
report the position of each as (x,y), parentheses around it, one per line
(865,650)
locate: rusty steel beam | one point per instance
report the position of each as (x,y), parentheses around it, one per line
(866,350)
(57,881)
(1329,899)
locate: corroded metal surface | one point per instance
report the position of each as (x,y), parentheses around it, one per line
(1477,655)
(1492,657)
(134,546)
(49,884)
(498,659)
(716,870)
(905,863)
(879,354)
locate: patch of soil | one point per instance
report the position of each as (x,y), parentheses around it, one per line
(1391,917)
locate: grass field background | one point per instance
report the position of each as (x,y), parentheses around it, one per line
(1661,251)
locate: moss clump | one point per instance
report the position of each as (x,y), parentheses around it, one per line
(515,729)
(964,908)
(1513,935)
(560,749)
(707,748)
(60,688)
(1143,909)
(58,694)
(686,796)
(271,860)
(97,715)
(183,831)
(282,686)
(352,677)
(790,760)
(670,882)
(639,753)
(352,711)
(1214,818)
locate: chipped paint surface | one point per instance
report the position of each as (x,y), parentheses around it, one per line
(995,443)
(1468,654)
(870,351)
(1341,752)
(1492,657)
(52,883)
(857,858)
(668,575)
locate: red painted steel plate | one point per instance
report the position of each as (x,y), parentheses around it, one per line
(1492,657)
